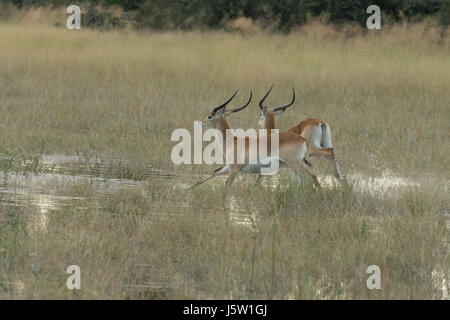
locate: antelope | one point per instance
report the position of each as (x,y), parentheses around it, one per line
(292,147)
(317,132)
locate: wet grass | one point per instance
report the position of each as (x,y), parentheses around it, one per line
(302,244)
(13,161)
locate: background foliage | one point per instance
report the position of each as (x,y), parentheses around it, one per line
(280,14)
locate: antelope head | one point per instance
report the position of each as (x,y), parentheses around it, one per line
(268,115)
(217,117)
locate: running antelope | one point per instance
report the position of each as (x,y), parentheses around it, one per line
(292,147)
(315,131)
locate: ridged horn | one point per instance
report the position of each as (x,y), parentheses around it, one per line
(286,105)
(224,104)
(245,105)
(264,98)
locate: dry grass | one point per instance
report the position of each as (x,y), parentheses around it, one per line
(119,95)
(386,96)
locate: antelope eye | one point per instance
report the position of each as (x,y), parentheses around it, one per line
(209,117)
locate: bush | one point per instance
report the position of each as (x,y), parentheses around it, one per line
(103,17)
(444,17)
(283,14)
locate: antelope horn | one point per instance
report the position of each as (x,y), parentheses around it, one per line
(224,104)
(264,98)
(245,105)
(286,105)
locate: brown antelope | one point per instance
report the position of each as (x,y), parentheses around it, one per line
(315,131)
(292,147)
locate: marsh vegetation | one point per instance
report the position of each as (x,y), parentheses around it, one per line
(113,203)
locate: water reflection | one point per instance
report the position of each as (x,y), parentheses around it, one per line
(239,215)
(42,192)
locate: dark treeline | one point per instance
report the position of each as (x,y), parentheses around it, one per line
(281,14)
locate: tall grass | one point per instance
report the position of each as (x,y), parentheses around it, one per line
(306,245)
(119,95)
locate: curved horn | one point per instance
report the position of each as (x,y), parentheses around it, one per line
(245,105)
(264,98)
(286,105)
(224,104)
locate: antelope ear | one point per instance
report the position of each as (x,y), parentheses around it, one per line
(263,112)
(222,112)
(228,113)
(279,113)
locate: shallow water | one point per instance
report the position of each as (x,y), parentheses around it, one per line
(42,191)
(39,191)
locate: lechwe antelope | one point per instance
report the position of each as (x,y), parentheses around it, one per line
(315,131)
(247,168)
(292,147)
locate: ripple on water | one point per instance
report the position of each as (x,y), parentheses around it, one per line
(36,188)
